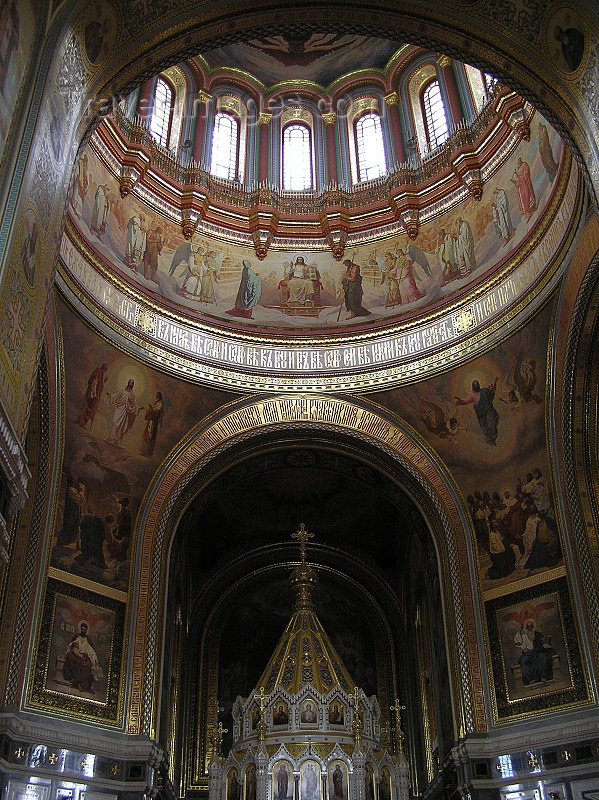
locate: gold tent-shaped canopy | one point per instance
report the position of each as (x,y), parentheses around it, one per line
(304,654)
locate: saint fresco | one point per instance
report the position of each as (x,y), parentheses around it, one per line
(81,649)
(122,418)
(383,280)
(486,421)
(78,657)
(535,655)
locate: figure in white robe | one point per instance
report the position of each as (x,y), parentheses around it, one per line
(135,245)
(125,412)
(501,215)
(100,210)
(213,262)
(446,251)
(465,248)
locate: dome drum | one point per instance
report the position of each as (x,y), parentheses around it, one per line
(392,199)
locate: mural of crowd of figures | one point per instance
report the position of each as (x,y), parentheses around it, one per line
(299,290)
(486,420)
(122,418)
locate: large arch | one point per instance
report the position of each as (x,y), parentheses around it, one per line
(378,437)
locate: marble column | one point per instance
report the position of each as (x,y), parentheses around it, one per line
(198,152)
(392,103)
(455,107)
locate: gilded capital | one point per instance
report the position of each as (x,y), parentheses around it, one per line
(444,61)
(203,97)
(265,119)
(391,99)
(329,119)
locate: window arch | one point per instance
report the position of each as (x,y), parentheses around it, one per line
(224,160)
(297,157)
(370,149)
(435,117)
(162,112)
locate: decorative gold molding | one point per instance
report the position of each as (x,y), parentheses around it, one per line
(365,104)
(330,118)
(265,119)
(229,103)
(391,99)
(296,113)
(444,61)
(203,96)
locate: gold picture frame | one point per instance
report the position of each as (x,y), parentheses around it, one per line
(78,654)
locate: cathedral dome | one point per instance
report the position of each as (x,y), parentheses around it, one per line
(268,215)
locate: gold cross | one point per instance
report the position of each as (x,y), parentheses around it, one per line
(19,752)
(397,708)
(302,536)
(261,698)
(53,758)
(217,737)
(115,769)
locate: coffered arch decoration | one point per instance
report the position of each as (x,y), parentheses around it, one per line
(359,424)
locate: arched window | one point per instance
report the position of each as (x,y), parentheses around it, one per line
(224,162)
(489,81)
(435,118)
(297,158)
(370,150)
(162,112)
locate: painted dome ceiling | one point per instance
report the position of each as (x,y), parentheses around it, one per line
(316,57)
(444,252)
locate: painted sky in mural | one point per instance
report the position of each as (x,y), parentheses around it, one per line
(121,419)
(318,57)
(493,442)
(310,290)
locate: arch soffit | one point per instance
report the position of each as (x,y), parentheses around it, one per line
(360,421)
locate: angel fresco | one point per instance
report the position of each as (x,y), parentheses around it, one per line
(521,381)
(437,421)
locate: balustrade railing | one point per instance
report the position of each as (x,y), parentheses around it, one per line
(234,193)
